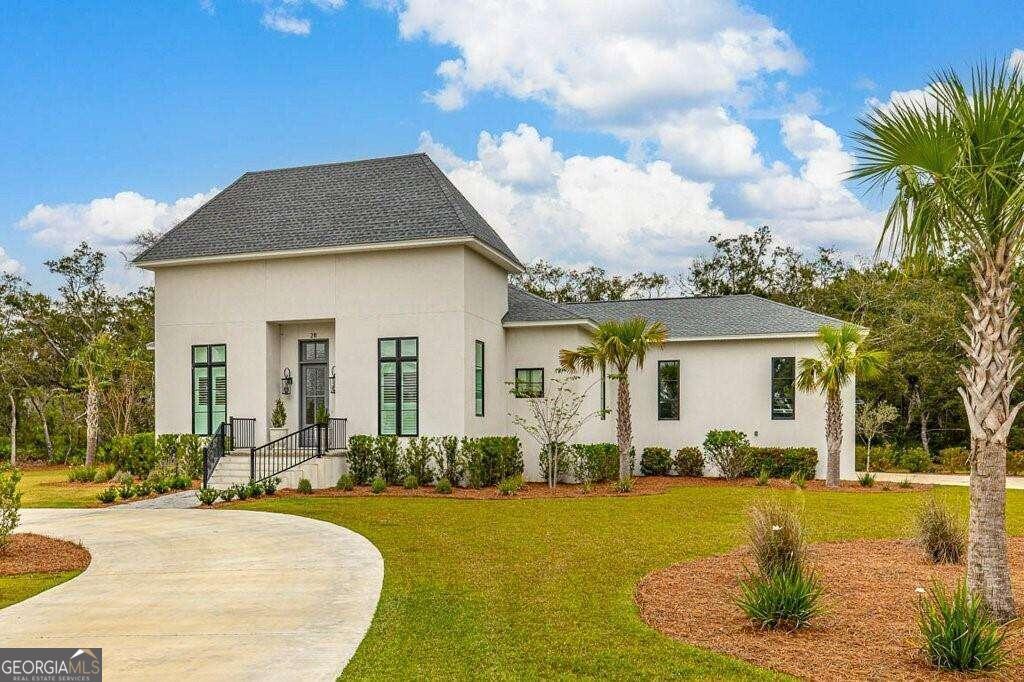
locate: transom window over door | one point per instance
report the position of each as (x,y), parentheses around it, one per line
(784,388)
(398,394)
(668,389)
(209,388)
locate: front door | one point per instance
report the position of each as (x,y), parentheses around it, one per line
(312,380)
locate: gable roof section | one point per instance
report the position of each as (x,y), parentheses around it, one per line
(686,318)
(371,202)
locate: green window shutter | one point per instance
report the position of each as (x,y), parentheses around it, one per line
(388,398)
(478,379)
(410,397)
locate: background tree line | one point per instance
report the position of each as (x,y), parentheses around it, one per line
(74,367)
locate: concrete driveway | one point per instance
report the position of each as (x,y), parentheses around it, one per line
(179,594)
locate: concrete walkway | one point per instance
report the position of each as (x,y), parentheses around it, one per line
(177,594)
(1012,482)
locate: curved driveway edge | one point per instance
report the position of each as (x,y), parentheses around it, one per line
(204,595)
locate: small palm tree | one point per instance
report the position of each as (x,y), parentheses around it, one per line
(956,164)
(842,357)
(89,368)
(618,345)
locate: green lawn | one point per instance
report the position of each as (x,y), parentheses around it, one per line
(48,487)
(16,588)
(544,588)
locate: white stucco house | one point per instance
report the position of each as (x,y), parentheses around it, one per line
(373,290)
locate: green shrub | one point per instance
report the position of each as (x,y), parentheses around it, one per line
(1015,462)
(104,473)
(511,484)
(206,496)
(563,456)
(689,461)
(655,461)
(242,490)
(905,483)
(270,485)
(159,486)
(10,501)
(361,460)
(443,486)
(762,478)
(181,482)
(189,457)
(782,462)
(417,459)
(387,456)
(594,462)
(135,454)
(916,461)
(957,632)
(410,482)
(228,494)
(729,452)
(798,478)
(623,485)
(82,474)
(278,417)
(126,489)
(955,460)
(490,459)
(107,496)
(305,487)
(346,482)
(867,479)
(448,458)
(776,537)
(255,489)
(940,532)
(378,486)
(782,600)
(143,489)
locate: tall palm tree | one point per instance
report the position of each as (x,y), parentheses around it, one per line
(89,368)
(618,345)
(842,356)
(956,164)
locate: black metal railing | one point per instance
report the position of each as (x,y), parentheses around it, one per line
(213,451)
(337,433)
(243,432)
(287,451)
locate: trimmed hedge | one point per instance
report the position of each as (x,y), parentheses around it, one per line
(689,461)
(134,454)
(781,462)
(599,461)
(361,462)
(490,459)
(655,461)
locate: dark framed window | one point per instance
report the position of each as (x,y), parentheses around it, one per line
(784,388)
(478,378)
(209,388)
(668,389)
(398,394)
(529,382)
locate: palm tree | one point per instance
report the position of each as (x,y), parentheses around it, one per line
(618,345)
(89,369)
(842,356)
(956,163)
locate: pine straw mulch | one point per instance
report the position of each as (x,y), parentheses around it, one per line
(869,628)
(642,485)
(31,553)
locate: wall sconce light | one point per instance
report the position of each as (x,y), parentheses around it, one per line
(332,379)
(286,382)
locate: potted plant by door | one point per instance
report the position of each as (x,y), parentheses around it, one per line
(277,421)
(322,415)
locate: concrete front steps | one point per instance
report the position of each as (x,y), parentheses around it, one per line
(322,472)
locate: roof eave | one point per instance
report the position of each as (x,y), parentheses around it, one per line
(489,252)
(579,322)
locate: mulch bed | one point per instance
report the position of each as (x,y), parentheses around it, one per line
(868,631)
(31,553)
(642,485)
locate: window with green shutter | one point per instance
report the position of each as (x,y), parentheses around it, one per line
(398,388)
(478,378)
(209,388)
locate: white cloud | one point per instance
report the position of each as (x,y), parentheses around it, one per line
(8,264)
(599,59)
(917,97)
(277,19)
(813,206)
(107,222)
(1017,58)
(583,209)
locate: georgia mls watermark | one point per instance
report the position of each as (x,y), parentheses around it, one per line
(51,665)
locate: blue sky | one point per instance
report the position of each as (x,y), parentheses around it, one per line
(623,138)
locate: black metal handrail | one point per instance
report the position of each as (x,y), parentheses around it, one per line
(286,452)
(243,432)
(337,433)
(212,453)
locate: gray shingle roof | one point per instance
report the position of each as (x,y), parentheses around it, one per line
(400,198)
(739,315)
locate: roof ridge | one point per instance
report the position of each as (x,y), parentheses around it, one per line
(656,298)
(335,163)
(547,301)
(794,307)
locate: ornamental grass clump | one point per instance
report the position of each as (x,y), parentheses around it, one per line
(940,532)
(782,594)
(867,479)
(957,632)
